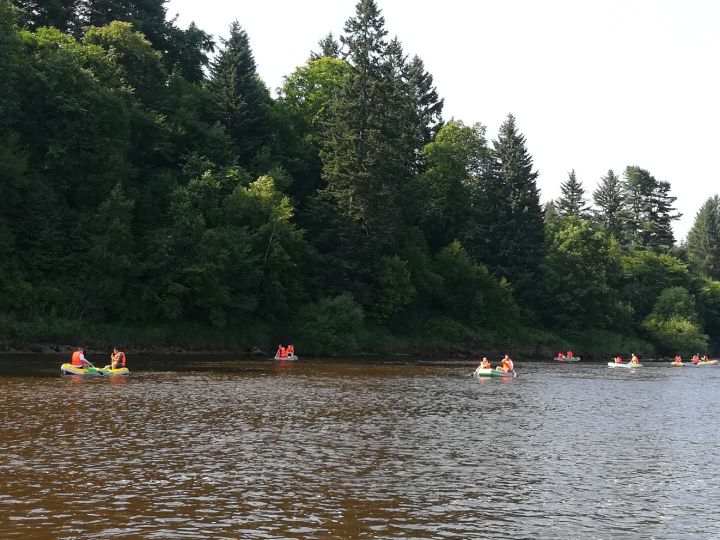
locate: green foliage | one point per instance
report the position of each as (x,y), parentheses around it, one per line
(645,274)
(393,288)
(149,195)
(454,165)
(580,275)
(673,323)
(330,326)
(703,241)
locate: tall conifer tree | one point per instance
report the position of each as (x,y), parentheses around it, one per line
(649,204)
(572,202)
(511,213)
(240,98)
(428,104)
(609,198)
(366,154)
(703,240)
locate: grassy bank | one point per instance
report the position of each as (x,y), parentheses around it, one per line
(438,337)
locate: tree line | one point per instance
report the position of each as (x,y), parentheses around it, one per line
(149,179)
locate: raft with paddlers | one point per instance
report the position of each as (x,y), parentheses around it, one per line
(567,357)
(624,365)
(286,354)
(704,363)
(494,372)
(92,371)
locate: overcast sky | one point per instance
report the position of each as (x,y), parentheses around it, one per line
(594,85)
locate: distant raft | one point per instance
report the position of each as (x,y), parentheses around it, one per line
(290,358)
(567,358)
(69,369)
(627,365)
(493,372)
(705,363)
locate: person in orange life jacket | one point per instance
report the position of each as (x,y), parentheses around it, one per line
(570,354)
(634,359)
(290,350)
(695,359)
(678,359)
(484,364)
(78,359)
(560,355)
(281,352)
(117,359)
(704,358)
(507,364)
(618,359)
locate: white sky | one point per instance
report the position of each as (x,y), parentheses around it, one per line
(594,85)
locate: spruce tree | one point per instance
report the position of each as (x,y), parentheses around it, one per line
(650,210)
(428,104)
(365,156)
(240,98)
(572,202)
(328,47)
(511,212)
(61,14)
(703,242)
(609,197)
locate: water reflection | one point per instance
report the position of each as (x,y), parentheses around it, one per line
(297,450)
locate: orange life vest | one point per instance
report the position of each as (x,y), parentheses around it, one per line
(119,359)
(291,350)
(76,361)
(282,352)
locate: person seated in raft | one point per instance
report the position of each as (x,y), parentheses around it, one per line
(281,352)
(570,354)
(678,359)
(695,359)
(484,364)
(507,364)
(560,355)
(634,359)
(117,359)
(78,359)
(704,358)
(290,350)
(618,359)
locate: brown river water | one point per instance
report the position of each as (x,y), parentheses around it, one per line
(214,447)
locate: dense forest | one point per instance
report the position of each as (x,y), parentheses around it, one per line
(152,190)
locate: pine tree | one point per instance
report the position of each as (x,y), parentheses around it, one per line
(511,213)
(328,47)
(366,153)
(240,98)
(703,242)
(61,14)
(609,197)
(650,210)
(572,201)
(428,104)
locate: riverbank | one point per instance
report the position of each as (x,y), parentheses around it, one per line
(57,336)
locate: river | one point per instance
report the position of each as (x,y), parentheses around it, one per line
(222,448)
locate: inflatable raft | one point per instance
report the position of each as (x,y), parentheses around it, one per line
(290,358)
(627,365)
(69,369)
(706,363)
(493,372)
(677,364)
(566,359)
